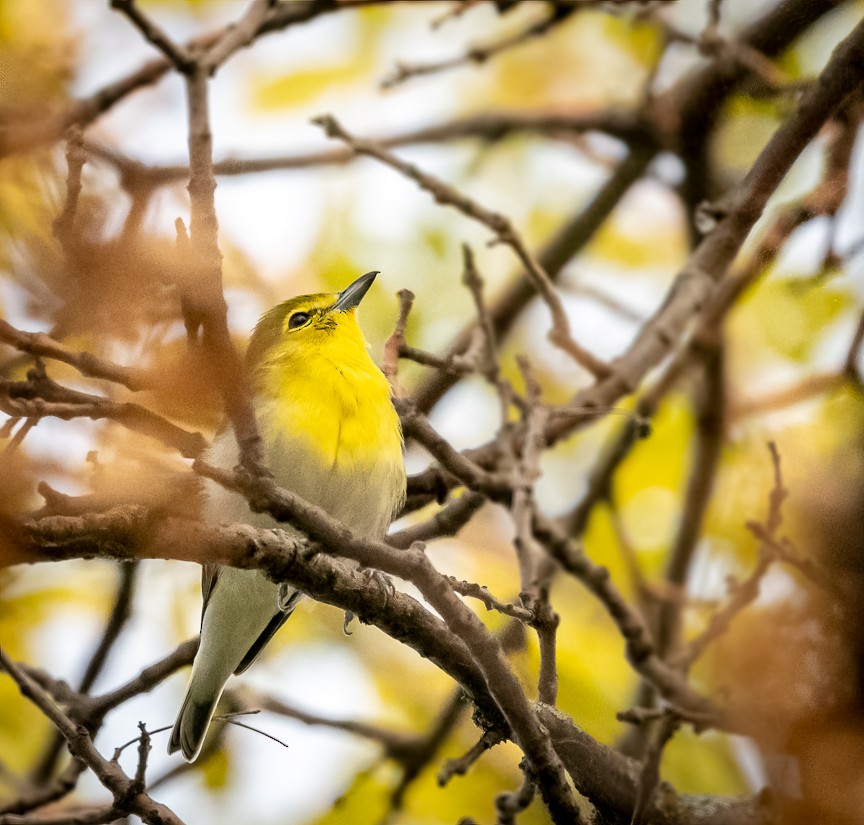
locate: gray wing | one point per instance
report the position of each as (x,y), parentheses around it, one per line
(209,577)
(209,574)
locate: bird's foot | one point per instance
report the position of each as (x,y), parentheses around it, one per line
(382,579)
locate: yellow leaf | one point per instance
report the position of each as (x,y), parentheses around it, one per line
(703,764)
(785,317)
(297,88)
(216,770)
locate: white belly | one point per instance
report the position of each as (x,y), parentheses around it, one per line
(361,495)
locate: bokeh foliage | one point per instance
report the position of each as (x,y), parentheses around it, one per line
(114,293)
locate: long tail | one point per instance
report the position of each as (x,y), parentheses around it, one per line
(241,614)
(194,718)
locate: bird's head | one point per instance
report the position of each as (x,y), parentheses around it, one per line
(308,327)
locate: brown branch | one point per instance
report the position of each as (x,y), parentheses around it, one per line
(490,127)
(806,388)
(395,343)
(148,678)
(741,594)
(415,425)
(697,282)
(128,797)
(687,113)
(75,159)
(458,8)
(238,35)
(177,55)
(168,493)
(474,282)
(649,779)
(525,473)
(605,777)
(39,396)
(599,482)
(454,365)
(117,619)
(90,712)
(414,566)
(20,435)
(46,793)
(710,403)
(850,367)
(203,297)
(639,645)
(476,591)
(508,805)
(100,815)
(43,346)
(462,764)
(25,136)
(417,754)
(825,199)
(573,236)
(499,224)
(446,522)
(249,698)
(809,386)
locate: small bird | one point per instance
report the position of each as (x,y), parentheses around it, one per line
(331,435)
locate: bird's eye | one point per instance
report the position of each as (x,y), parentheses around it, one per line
(298,319)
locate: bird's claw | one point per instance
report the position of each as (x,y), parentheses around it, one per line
(287,598)
(382,579)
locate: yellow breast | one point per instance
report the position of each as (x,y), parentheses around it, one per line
(332,436)
(341,409)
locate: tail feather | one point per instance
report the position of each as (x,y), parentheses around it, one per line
(243,611)
(192,723)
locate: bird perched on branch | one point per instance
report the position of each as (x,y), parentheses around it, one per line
(330,435)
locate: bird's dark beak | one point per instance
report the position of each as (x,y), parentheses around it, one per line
(351,296)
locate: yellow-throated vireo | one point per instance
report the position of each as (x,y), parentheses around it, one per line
(331,435)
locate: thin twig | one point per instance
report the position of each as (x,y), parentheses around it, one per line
(40,397)
(480,54)
(75,159)
(41,345)
(127,797)
(395,343)
(499,224)
(239,34)
(476,591)
(461,765)
(490,127)
(742,594)
(509,805)
(649,777)
(446,522)
(204,296)
(117,619)
(177,55)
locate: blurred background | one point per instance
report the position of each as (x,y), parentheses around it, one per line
(318,226)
